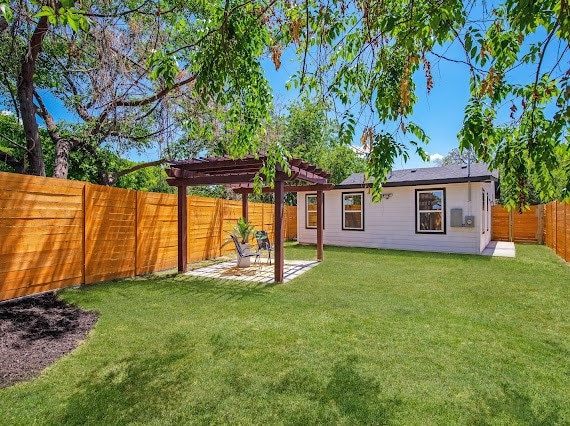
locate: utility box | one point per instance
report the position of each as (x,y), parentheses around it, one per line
(470,221)
(457,218)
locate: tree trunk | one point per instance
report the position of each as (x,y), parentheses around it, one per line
(3,24)
(62,150)
(35,156)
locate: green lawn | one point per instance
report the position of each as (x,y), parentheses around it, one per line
(367,337)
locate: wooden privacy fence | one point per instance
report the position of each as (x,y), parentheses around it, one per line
(56,233)
(557,228)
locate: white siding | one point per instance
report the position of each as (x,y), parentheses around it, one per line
(391,223)
(485,237)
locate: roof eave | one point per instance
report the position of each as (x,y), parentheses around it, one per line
(486,178)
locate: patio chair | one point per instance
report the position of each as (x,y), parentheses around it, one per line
(263,243)
(242,255)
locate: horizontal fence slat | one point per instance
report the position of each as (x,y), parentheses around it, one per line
(56,233)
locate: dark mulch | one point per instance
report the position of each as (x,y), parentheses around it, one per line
(35,332)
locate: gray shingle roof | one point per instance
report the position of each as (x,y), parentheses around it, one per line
(427,176)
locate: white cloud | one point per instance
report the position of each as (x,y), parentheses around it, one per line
(6,112)
(435,157)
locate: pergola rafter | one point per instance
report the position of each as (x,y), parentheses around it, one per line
(240,174)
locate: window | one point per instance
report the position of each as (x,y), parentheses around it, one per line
(430,211)
(488,213)
(353,211)
(483,213)
(311,211)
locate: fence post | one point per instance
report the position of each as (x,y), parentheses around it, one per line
(540,227)
(565,227)
(136,232)
(220,206)
(556,227)
(84,242)
(511,225)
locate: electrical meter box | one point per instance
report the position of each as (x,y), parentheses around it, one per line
(470,221)
(456,217)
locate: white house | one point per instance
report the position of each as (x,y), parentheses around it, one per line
(443,209)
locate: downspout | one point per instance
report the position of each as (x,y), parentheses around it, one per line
(468,178)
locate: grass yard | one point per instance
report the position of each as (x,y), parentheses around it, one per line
(367,337)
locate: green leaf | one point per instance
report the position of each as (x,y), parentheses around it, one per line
(45,11)
(6,11)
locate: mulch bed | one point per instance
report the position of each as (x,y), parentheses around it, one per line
(35,332)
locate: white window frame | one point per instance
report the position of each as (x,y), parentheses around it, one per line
(307,226)
(418,211)
(483,213)
(344,227)
(488,212)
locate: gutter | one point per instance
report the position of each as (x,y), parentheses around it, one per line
(486,178)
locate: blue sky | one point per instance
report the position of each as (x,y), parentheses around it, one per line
(440,113)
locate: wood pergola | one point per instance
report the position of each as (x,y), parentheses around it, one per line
(240,173)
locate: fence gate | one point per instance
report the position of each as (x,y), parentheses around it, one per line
(527,227)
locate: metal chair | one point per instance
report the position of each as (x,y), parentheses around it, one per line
(263,243)
(241,253)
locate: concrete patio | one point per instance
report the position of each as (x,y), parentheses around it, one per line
(499,249)
(264,274)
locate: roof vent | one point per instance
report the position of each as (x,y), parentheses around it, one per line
(413,171)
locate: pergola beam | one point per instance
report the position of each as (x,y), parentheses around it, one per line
(288,188)
(218,179)
(219,164)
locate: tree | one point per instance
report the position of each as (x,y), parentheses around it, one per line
(308,133)
(133,73)
(456,156)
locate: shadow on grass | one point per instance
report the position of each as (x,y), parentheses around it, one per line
(348,395)
(517,407)
(131,390)
(185,285)
(218,289)
(153,389)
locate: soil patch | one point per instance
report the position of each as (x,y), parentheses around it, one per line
(35,332)
(237,272)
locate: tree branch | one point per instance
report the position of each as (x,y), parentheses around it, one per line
(3,24)
(158,95)
(537,76)
(47,118)
(140,166)
(304,66)
(110,178)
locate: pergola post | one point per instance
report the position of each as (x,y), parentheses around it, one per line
(319,225)
(279,230)
(182,230)
(244,207)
